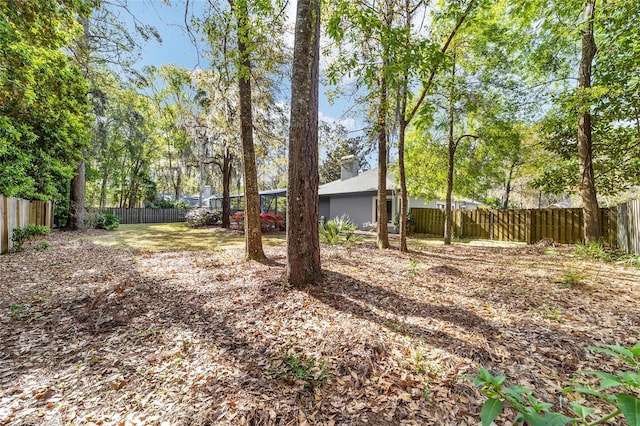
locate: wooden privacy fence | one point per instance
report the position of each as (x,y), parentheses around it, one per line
(531,225)
(132,216)
(16,212)
(629,227)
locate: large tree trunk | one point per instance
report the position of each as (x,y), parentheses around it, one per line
(303,244)
(226,185)
(76,199)
(252,232)
(383,230)
(590,208)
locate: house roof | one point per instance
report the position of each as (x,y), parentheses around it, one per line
(363,182)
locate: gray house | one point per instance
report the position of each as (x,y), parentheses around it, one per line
(356,195)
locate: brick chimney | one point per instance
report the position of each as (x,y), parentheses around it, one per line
(349,166)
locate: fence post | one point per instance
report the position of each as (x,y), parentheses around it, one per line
(4,225)
(529,225)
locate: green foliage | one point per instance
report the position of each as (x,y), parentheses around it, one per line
(339,230)
(20,236)
(44,245)
(109,221)
(411,219)
(570,278)
(169,204)
(534,412)
(594,251)
(413,268)
(102,220)
(16,312)
(303,368)
(335,140)
(43,102)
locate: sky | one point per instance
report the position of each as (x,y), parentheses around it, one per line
(177,48)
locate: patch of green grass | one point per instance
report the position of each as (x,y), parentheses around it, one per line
(550,313)
(570,279)
(177,237)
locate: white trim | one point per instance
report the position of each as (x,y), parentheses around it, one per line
(374,202)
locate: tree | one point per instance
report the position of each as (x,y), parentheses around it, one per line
(303,244)
(334,137)
(43,106)
(590,126)
(591,210)
(255,24)
(366,26)
(104,43)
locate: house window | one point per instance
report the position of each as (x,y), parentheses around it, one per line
(440,205)
(389,210)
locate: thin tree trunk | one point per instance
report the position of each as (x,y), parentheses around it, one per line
(226,185)
(383,231)
(507,188)
(103,190)
(448,225)
(303,244)
(252,231)
(590,208)
(402,95)
(404,199)
(448,215)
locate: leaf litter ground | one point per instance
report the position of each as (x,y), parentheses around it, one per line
(100,335)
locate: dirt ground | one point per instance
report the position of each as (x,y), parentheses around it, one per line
(98,335)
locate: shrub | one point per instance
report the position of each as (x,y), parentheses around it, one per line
(268,221)
(535,412)
(338,230)
(411,219)
(595,251)
(102,220)
(109,221)
(28,233)
(202,217)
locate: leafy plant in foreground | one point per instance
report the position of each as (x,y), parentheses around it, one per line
(539,413)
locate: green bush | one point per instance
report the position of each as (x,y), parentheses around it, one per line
(411,220)
(102,220)
(338,230)
(28,233)
(625,401)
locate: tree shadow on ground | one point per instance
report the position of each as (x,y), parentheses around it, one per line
(391,310)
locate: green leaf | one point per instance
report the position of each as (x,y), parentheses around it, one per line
(630,407)
(619,352)
(491,409)
(582,411)
(550,419)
